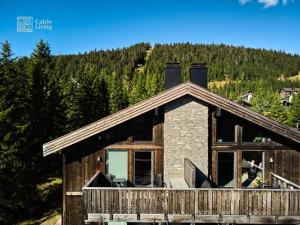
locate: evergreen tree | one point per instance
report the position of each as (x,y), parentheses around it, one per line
(261,101)
(15,194)
(116,95)
(277,110)
(137,92)
(85,98)
(294,116)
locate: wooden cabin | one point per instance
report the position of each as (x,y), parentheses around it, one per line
(185,155)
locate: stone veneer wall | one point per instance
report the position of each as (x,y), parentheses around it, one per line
(185,136)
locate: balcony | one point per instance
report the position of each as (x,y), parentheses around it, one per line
(191,205)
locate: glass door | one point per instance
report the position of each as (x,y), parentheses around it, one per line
(143,168)
(226,169)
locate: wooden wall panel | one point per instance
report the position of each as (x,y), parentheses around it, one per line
(286,163)
(131,166)
(158,127)
(159,162)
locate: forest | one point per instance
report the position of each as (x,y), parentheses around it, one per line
(44,96)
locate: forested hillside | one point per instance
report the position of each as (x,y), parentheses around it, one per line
(44,96)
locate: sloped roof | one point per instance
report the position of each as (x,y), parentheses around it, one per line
(187,88)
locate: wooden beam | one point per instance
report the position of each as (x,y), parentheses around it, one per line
(135,146)
(73,193)
(239,168)
(252,147)
(189,218)
(130,166)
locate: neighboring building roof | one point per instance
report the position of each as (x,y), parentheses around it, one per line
(290,89)
(161,99)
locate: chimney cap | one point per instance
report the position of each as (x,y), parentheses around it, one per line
(172,64)
(198,65)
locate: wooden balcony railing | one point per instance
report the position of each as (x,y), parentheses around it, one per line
(192,205)
(283,183)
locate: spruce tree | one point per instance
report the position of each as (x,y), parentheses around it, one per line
(277,110)
(14,122)
(294,111)
(116,96)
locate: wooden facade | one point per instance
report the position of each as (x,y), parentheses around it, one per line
(141,128)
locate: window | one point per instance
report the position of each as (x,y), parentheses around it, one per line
(143,168)
(252,169)
(117,164)
(226,127)
(226,169)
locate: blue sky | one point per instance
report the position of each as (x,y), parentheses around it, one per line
(79,26)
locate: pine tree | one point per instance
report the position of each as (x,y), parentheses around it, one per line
(14,127)
(85,98)
(137,92)
(277,110)
(261,100)
(45,99)
(116,96)
(294,115)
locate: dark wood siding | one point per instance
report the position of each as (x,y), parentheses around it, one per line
(79,167)
(286,163)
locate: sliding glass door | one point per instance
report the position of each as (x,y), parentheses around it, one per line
(143,168)
(226,169)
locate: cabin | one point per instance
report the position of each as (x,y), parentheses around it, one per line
(287,92)
(247,97)
(185,155)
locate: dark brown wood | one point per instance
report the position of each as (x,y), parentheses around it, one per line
(64,181)
(134,147)
(158,127)
(158,162)
(239,171)
(214,165)
(131,166)
(254,147)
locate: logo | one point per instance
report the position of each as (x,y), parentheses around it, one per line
(24,24)
(43,24)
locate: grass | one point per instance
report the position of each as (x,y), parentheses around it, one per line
(295,78)
(221,83)
(50,219)
(49,203)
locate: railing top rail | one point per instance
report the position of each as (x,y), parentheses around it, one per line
(87,184)
(188,189)
(285,180)
(186,160)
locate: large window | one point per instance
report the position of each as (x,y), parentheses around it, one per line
(226,169)
(255,134)
(143,168)
(225,127)
(252,169)
(117,164)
